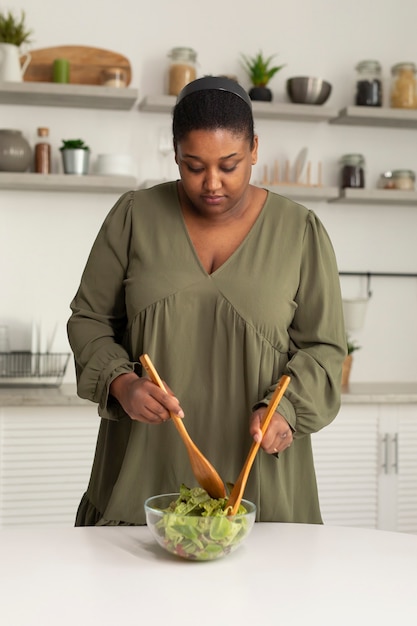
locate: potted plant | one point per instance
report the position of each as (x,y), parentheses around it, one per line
(352,346)
(13,33)
(13,30)
(260,73)
(75,156)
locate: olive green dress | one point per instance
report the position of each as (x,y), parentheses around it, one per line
(221,341)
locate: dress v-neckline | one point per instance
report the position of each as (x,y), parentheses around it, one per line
(235,251)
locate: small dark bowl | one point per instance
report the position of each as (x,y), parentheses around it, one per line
(308,90)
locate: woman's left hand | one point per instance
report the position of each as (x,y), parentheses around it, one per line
(278,436)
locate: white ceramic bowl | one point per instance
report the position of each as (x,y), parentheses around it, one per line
(114,165)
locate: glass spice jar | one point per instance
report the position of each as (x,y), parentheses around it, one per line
(404,86)
(114,77)
(403,179)
(352,171)
(368,84)
(43,152)
(182,69)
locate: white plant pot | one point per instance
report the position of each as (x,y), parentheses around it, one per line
(75,161)
(354,312)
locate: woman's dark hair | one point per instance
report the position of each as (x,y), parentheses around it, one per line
(212,109)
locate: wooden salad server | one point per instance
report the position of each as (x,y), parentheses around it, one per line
(203,470)
(236,495)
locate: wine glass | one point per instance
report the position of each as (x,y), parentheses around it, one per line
(165,147)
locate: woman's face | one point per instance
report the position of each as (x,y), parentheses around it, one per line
(215,168)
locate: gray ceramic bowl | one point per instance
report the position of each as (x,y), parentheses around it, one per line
(308,90)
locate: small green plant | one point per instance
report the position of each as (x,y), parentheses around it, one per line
(13,29)
(351,345)
(73,144)
(259,70)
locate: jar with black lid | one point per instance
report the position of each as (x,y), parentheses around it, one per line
(352,171)
(368,84)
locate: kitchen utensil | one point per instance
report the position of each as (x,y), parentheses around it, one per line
(86,64)
(308,90)
(299,164)
(236,495)
(203,470)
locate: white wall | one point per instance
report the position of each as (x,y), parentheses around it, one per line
(45,237)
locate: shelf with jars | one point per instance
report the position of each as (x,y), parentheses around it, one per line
(376,116)
(68,95)
(300,193)
(261,110)
(28,181)
(376,196)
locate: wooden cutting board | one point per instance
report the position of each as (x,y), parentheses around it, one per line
(86,64)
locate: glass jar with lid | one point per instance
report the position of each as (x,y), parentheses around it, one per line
(352,171)
(404,86)
(182,69)
(403,179)
(368,84)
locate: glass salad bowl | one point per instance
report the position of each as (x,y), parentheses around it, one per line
(194,526)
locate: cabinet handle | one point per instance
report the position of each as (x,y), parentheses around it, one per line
(395,446)
(385,442)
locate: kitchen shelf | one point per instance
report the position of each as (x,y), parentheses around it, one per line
(376,196)
(261,110)
(68,95)
(66,182)
(376,116)
(298,192)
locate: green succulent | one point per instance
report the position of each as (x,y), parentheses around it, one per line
(13,30)
(259,70)
(73,144)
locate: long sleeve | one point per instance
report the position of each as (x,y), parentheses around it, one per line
(317,337)
(96,327)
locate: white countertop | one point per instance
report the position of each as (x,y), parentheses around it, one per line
(380,393)
(289,574)
(66,395)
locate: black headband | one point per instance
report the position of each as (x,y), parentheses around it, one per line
(220,83)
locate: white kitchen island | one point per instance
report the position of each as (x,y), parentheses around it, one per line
(285,574)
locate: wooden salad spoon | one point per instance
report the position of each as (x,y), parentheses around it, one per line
(236,495)
(203,470)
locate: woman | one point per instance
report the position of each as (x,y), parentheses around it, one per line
(226,286)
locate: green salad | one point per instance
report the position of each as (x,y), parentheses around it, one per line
(198,527)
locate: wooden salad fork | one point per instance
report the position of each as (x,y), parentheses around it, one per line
(236,495)
(203,470)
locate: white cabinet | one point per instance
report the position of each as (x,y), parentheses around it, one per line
(366,465)
(46,455)
(398,468)
(346,460)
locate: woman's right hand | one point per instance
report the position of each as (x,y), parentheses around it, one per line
(144,401)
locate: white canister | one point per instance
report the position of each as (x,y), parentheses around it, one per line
(114,165)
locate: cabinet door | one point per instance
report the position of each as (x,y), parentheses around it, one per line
(407,469)
(398,468)
(346,460)
(45,461)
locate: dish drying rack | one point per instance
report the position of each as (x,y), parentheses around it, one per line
(27,369)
